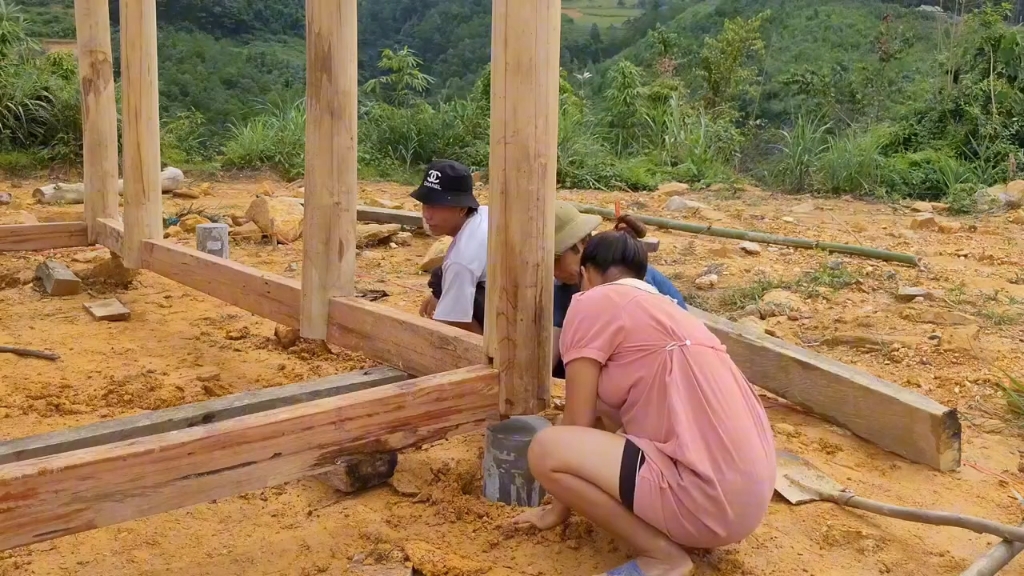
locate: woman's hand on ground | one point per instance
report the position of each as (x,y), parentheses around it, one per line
(428,306)
(543,517)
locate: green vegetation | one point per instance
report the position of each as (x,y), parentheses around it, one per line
(828,96)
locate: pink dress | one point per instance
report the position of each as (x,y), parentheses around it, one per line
(710,469)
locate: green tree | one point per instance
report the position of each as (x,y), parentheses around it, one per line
(403,82)
(727,62)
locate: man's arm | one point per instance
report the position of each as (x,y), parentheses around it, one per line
(458,290)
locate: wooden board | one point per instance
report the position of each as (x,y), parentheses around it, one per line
(419,346)
(110,234)
(890,416)
(109,310)
(388,216)
(190,415)
(26,237)
(264,294)
(58,279)
(53,496)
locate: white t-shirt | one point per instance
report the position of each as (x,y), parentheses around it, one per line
(465,265)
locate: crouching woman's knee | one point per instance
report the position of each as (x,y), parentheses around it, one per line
(542,455)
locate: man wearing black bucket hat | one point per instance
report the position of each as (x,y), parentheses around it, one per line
(451,209)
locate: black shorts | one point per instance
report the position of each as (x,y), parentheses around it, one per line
(633,459)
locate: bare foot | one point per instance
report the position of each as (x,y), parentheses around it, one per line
(682,566)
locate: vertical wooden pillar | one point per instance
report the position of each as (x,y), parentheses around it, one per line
(99,112)
(140,117)
(524,138)
(329,228)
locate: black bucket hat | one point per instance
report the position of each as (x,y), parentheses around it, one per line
(446,183)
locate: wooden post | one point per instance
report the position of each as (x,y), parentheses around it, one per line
(99,112)
(524,138)
(331,196)
(140,113)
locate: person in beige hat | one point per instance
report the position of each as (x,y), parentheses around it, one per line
(572,230)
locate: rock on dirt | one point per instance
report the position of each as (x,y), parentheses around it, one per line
(949,227)
(248,232)
(6,198)
(288,337)
(279,218)
(1017,217)
(924,222)
(194,194)
(939,317)
(374,234)
(805,208)
(706,282)
(751,248)
(673,189)
(680,204)
(189,222)
(237,219)
(909,294)
(403,239)
(435,256)
(20,217)
(383,203)
(359,472)
(691,208)
(781,303)
(789,220)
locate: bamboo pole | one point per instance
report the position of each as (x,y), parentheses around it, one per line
(143,207)
(995,559)
(99,113)
(760,237)
(331,194)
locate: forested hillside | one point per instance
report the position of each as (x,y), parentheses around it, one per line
(834,96)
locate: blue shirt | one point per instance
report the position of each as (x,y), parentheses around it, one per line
(565,292)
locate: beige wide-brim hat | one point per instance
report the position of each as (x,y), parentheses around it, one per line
(571,226)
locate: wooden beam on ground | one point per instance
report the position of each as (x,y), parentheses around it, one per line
(264,294)
(389,216)
(110,233)
(27,237)
(53,496)
(99,112)
(524,139)
(890,416)
(332,188)
(143,219)
(419,346)
(190,415)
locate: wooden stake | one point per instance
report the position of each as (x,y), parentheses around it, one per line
(99,112)
(331,194)
(524,138)
(141,118)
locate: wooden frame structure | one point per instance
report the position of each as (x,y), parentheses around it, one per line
(443,380)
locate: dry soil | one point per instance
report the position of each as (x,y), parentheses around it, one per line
(181,346)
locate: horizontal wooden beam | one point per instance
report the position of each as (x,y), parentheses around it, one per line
(416,345)
(25,237)
(890,416)
(419,346)
(264,294)
(388,216)
(110,233)
(53,496)
(182,417)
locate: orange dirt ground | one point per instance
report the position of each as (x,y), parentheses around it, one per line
(181,346)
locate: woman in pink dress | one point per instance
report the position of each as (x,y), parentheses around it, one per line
(694,462)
